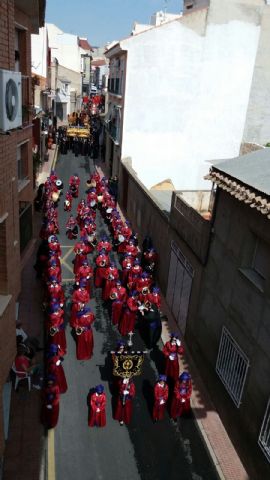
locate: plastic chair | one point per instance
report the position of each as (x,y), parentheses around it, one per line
(21,376)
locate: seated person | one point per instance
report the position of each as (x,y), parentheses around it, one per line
(24,365)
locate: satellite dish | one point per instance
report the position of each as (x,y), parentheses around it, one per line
(11,99)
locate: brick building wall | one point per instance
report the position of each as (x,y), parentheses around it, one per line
(16,183)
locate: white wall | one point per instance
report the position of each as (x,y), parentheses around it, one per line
(39,53)
(186,97)
(64,47)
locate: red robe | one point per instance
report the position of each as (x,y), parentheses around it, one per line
(132,249)
(104,245)
(172,364)
(143,283)
(69,228)
(110,275)
(80,251)
(120,295)
(161,396)
(181,399)
(54,272)
(97,418)
(92,199)
(55,291)
(85,272)
(133,276)
(84,340)
(123,409)
(56,330)
(154,298)
(80,295)
(51,398)
(102,262)
(54,367)
(127,265)
(128,317)
(56,248)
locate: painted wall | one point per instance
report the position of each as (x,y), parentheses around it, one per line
(64,47)
(39,52)
(258,115)
(194,107)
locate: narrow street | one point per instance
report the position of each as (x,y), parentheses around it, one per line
(143,450)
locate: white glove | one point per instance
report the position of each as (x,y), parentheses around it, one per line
(161,402)
(58,363)
(183,400)
(126,392)
(172,356)
(98,409)
(178,343)
(49,407)
(87,277)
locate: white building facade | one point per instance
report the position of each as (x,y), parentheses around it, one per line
(189,88)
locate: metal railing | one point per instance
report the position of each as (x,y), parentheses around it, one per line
(232,366)
(264,437)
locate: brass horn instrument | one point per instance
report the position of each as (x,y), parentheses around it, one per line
(55,196)
(79,330)
(53,331)
(145,290)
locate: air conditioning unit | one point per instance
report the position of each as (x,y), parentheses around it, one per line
(10,100)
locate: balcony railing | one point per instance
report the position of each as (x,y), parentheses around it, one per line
(113,131)
(26,101)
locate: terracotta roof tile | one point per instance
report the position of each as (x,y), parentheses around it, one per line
(84,44)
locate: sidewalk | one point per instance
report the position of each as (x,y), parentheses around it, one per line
(25,447)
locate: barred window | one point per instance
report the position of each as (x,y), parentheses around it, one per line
(232,366)
(264,437)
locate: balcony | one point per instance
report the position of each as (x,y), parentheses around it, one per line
(113,131)
(27,105)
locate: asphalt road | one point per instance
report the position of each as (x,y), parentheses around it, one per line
(143,450)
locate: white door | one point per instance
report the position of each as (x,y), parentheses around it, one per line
(179,286)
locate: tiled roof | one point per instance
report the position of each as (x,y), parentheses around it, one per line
(98,63)
(84,44)
(242,192)
(252,169)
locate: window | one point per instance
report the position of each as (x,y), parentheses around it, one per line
(232,366)
(259,270)
(22,161)
(261,259)
(20,48)
(264,437)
